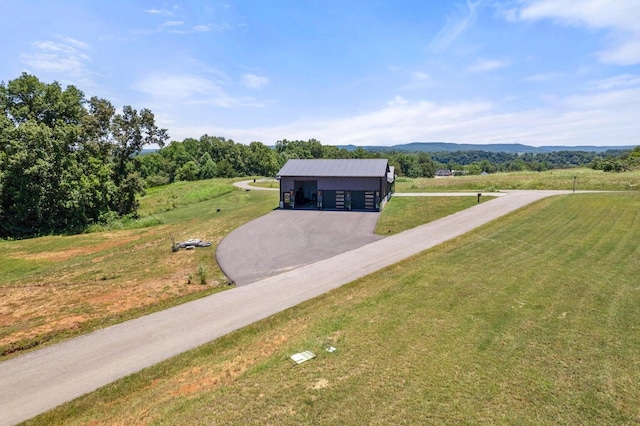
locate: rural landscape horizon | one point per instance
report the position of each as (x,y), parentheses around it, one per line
(249,212)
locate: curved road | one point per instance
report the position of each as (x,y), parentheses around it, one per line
(38,381)
(246,184)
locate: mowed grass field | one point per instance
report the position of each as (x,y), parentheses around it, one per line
(402,213)
(531,319)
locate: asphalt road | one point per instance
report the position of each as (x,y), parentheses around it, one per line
(38,381)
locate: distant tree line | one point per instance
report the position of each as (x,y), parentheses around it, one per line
(66,161)
(214,156)
(473,162)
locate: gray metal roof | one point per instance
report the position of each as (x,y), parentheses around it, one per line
(335,168)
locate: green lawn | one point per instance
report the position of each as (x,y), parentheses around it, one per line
(402,213)
(531,319)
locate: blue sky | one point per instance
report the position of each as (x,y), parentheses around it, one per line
(537,72)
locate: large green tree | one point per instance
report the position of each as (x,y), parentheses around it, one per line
(65,162)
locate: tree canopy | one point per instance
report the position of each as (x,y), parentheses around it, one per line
(65,161)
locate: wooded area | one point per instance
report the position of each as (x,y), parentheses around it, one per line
(67,161)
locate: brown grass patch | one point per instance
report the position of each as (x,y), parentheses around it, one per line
(60,304)
(114,240)
(56,309)
(56,287)
(197,379)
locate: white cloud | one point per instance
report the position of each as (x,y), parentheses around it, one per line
(172,24)
(421,76)
(624,80)
(158,12)
(620,18)
(201,28)
(176,27)
(76,43)
(454,27)
(488,65)
(175,87)
(169,92)
(594,117)
(417,80)
(253,81)
(180,27)
(398,100)
(65,56)
(624,53)
(617,14)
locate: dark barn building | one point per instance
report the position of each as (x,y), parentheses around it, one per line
(336,184)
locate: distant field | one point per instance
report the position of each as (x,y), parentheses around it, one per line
(60,286)
(531,319)
(553,179)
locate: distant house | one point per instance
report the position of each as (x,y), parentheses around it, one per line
(350,184)
(443,173)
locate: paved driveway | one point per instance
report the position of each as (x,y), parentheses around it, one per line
(287,239)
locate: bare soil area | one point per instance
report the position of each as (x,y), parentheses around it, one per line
(96,281)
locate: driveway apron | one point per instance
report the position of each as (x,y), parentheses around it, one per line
(288,239)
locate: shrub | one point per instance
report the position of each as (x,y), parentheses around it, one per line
(156,180)
(202,274)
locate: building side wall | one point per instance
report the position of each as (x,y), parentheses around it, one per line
(339,184)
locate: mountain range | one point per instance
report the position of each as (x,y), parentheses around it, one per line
(510,148)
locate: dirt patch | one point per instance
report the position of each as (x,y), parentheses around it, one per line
(198,380)
(88,249)
(96,277)
(60,307)
(321,384)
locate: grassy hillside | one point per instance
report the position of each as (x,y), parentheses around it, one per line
(59,286)
(531,319)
